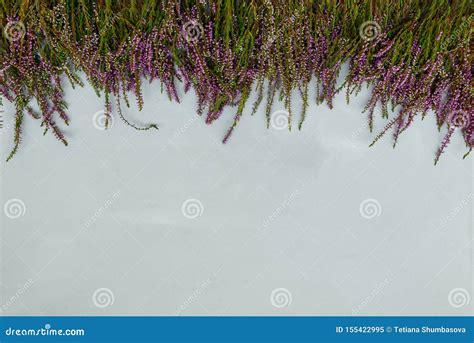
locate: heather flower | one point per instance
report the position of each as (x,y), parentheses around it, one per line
(223,50)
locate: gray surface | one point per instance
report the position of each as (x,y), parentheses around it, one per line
(279,228)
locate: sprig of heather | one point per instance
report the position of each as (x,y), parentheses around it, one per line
(416,58)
